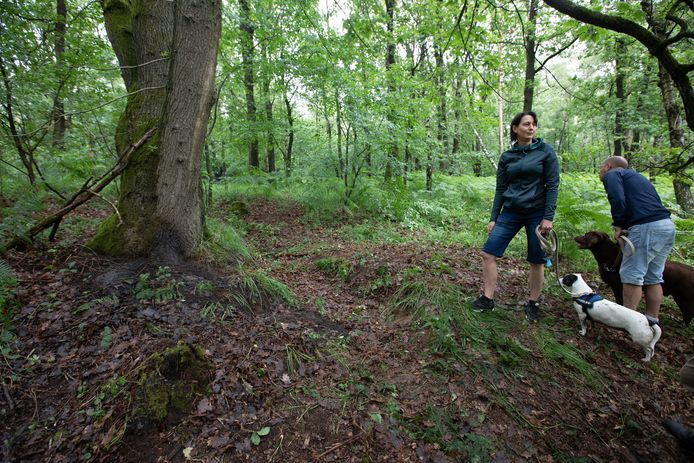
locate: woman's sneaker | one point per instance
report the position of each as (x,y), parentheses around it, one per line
(532,311)
(483,304)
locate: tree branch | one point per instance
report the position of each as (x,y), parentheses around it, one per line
(86,193)
(656,47)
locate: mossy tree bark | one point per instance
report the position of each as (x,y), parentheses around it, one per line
(168,55)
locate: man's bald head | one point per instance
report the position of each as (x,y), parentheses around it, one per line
(617,161)
(613,162)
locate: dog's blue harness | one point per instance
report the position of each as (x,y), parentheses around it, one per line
(587,301)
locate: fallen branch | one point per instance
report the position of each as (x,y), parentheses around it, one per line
(87,192)
(340,444)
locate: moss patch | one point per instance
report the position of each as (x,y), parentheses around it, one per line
(171,381)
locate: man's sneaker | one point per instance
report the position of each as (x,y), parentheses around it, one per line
(482,304)
(532,311)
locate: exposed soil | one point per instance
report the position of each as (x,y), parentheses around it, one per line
(338,376)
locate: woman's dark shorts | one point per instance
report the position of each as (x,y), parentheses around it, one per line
(507,226)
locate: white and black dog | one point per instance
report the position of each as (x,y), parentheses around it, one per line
(591,306)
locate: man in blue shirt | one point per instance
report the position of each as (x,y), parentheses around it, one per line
(638,211)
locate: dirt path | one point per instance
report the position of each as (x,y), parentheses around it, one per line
(379,360)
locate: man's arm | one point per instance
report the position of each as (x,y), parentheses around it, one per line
(614,187)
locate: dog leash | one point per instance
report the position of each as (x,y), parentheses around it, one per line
(550,246)
(625,244)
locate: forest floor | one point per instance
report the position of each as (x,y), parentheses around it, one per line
(378,358)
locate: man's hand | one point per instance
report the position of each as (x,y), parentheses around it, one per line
(617,232)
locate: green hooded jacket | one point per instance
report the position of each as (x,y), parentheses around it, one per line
(527,179)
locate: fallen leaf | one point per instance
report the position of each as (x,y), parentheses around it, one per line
(204,406)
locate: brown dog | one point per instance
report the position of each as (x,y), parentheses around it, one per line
(678,278)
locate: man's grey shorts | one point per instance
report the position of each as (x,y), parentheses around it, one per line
(653,242)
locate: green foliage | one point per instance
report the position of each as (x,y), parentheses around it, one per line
(441,426)
(8,281)
(162,288)
(256,286)
(106,337)
(570,358)
(108,391)
(227,241)
(335,266)
(256,436)
(213,310)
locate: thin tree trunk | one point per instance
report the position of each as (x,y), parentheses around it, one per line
(457,115)
(25,154)
(390,62)
(530,50)
(430,164)
(270,143)
(500,101)
(290,136)
(247,56)
(59,123)
(338,125)
(619,129)
(210,176)
(441,110)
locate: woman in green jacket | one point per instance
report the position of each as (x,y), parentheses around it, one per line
(527,186)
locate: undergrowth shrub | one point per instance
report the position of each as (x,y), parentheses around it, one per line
(8,281)
(456,211)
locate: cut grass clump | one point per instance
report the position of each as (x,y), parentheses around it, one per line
(569,356)
(257,287)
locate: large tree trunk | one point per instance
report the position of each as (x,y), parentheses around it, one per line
(159,202)
(191,91)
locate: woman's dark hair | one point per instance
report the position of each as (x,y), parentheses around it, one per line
(516,122)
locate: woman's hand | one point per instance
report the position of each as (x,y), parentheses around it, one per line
(545,226)
(490,225)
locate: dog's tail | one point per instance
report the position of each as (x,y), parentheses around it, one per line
(650,348)
(657,332)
